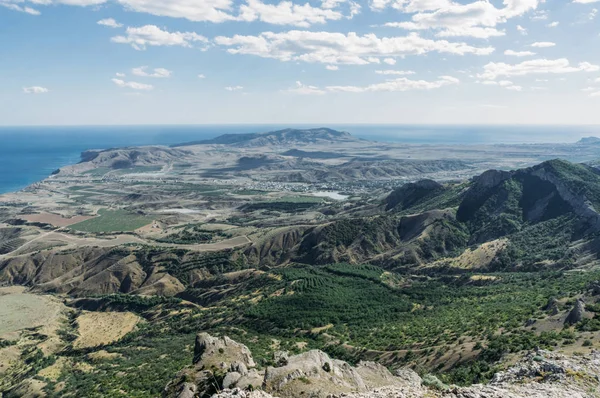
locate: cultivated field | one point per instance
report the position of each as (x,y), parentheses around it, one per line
(55,219)
(113,221)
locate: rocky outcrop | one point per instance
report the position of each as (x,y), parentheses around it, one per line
(220,364)
(223,364)
(577,313)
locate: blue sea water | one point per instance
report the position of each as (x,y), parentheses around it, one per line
(30,154)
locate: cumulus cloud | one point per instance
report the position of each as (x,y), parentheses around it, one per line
(399,84)
(201,76)
(339,48)
(152,35)
(304,89)
(543,44)
(287,13)
(395,72)
(234,88)
(477,19)
(494,70)
(35,90)
(393,85)
(193,10)
(553,24)
(157,72)
(522,30)
(132,85)
(119,74)
(110,22)
(518,53)
(332,67)
(217,11)
(585,1)
(390,61)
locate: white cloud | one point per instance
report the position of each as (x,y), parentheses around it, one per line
(389,61)
(543,44)
(501,83)
(332,67)
(193,10)
(132,85)
(589,89)
(596,94)
(395,72)
(399,84)
(16,7)
(110,22)
(518,53)
(540,15)
(538,66)
(339,48)
(303,89)
(515,88)
(522,30)
(476,19)
(234,88)
(553,24)
(151,35)
(585,1)
(287,13)
(119,74)
(158,72)
(35,90)
(201,76)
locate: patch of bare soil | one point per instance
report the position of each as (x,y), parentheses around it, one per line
(55,219)
(99,328)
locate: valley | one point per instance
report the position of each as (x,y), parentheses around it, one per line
(454,261)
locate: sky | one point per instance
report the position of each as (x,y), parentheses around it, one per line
(103,62)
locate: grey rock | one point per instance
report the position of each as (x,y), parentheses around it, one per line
(231,379)
(577,313)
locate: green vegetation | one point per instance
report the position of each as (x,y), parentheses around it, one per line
(146,361)
(340,294)
(189,236)
(287,207)
(113,221)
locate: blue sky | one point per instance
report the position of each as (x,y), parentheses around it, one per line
(69,62)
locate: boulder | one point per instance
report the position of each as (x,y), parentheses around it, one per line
(577,313)
(220,352)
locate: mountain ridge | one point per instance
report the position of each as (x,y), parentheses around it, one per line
(287,136)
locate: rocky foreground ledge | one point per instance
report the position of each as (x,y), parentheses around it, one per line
(223,368)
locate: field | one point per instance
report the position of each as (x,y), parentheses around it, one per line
(20,310)
(113,221)
(55,219)
(100,328)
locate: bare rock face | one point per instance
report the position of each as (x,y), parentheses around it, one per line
(225,369)
(219,362)
(238,393)
(577,313)
(221,352)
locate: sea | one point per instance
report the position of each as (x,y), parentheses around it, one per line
(30,154)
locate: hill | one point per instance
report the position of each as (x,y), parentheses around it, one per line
(280,137)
